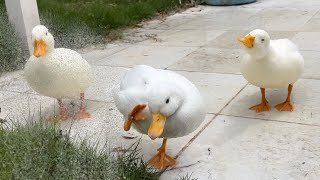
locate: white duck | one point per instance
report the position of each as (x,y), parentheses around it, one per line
(57,73)
(271,64)
(160,103)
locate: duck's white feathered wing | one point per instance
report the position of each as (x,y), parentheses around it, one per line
(132,88)
(139,76)
(132,91)
(126,100)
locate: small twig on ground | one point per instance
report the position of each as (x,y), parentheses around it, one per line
(189,165)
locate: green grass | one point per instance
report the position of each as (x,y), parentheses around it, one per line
(77,23)
(11,54)
(40,151)
(188,177)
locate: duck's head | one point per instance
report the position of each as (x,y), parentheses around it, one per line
(43,41)
(256,42)
(164,100)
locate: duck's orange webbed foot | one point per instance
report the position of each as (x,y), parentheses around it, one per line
(285,106)
(135,115)
(63,114)
(264,106)
(161,159)
(82,114)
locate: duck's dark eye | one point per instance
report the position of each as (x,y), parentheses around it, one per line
(46,33)
(262,40)
(168,100)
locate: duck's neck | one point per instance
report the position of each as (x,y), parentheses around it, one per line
(261,53)
(50,47)
(50,50)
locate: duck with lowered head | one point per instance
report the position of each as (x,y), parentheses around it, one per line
(271,64)
(161,104)
(57,72)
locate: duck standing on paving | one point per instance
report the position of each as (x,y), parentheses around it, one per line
(271,64)
(57,72)
(160,103)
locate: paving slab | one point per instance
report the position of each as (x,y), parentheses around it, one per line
(24,106)
(230,13)
(267,4)
(242,148)
(312,25)
(307,40)
(156,56)
(297,4)
(104,52)
(311,64)
(4,95)
(211,60)
(208,24)
(301,4)
(227,18)
(168,22)
(106,78)
(14,82)
(216,89)
(317,15)
(306,105)
(281,19)
(191,38)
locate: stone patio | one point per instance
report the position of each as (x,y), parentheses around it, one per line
(233,142)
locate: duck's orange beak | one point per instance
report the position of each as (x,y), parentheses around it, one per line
(157,125)
(40,48)
(247,41)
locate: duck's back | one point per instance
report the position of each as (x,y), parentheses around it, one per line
(63,73)
(139,76)
(283,47)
